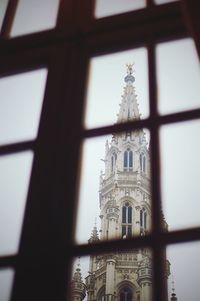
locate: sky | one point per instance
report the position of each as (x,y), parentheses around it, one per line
(178,89)
(106,8)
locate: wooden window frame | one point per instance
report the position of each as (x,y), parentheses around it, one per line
(43,263)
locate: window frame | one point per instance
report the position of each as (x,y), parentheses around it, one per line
(43,264)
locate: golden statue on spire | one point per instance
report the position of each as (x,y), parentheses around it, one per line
(129,68)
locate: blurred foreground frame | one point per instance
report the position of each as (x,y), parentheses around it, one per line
(43,263)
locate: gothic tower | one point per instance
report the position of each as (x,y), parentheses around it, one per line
(125,211)
(125,204)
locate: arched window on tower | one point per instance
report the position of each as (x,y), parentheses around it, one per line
(113,161)
(126,220)
(101,294)
(126,294)
(128,159)
(142,162)
(143,218)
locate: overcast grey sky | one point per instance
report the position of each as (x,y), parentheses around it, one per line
(178,89)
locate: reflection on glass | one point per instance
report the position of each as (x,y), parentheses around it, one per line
(106,85)
(113,7)
(178,76)
(164,1)
(6,281)
(115,185)
(14,178)
(180,167)
(3,6)
(32,16)
(21,99)
(122,276)
(184,265)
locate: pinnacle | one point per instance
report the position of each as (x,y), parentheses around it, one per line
(94,235)
(129,106)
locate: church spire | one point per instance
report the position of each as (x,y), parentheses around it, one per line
(129,107)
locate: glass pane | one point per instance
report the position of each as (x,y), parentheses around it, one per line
(105,191)
(21,99)
(14,178)
(3,6)
(106,8)
(184,268)
(32,16)
(178,76)
(6,281)
(180,167)
(106,82)
(164,1)
(123,276)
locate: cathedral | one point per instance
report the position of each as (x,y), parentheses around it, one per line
(125,211)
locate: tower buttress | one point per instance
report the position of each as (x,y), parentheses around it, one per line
(145,278)
(110,277)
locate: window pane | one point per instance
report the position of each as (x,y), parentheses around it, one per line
(178,76)
(141,218)
(184,266)
(125,159)
(14,178)
(6,281)
(3,6)
(123,232)
(180,167)
(124,214)
(103,193)
(145,220)
(164,1)
(106,8)
(106,82)
(32,16)
(21,99)
(129,234)
(129,214)
(111,274)
(130,159)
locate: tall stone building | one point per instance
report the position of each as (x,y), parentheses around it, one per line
(125,204)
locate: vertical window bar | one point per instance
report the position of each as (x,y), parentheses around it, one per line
(8,18)
(150,3)
(159,292)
